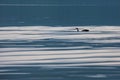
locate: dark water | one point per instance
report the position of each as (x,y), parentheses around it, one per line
(81,73)
(59,12)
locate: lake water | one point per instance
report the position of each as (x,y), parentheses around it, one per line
(59,12)
(59,53)
(38,40)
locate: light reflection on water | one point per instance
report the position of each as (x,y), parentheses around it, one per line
(59,53)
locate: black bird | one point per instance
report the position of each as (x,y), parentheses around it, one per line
(83,30)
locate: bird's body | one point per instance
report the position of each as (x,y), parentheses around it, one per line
(85,30)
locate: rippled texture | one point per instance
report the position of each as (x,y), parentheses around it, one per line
(59,53)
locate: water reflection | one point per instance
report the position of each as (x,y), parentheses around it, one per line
(50,53)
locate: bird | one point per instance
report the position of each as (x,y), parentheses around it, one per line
(83,30)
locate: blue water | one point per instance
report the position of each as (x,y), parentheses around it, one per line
(35,43)
(57,12)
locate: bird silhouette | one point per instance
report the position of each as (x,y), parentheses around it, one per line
(83,30)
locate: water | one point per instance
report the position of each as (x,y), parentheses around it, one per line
(50,53)
(57,12)
(38,40)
